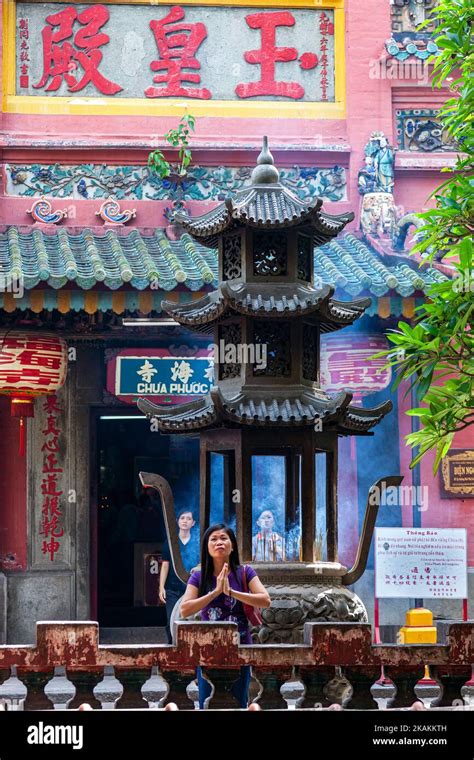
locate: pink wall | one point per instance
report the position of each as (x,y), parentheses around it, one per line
(81,213)
(371,99)
(412,189)
(441,513)
(368,98)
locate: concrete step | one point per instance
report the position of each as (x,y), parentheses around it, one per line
(135,635)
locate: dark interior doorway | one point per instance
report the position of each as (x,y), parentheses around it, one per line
(129,521)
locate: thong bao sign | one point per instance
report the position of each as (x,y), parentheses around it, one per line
(159,374)
(421,563)
(202,52)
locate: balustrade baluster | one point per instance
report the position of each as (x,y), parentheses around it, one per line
(12,690)
(271,698)
(361,680)
(155,690)
(132,680)
(383,690)
(109,690)
(405,681)
(315,679)
(192,691)
(178,683)
(467,691)
(293,691)
(85,682)
(60,690)
(35,681)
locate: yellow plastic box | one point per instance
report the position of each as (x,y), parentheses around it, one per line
(418,635)
(419,616)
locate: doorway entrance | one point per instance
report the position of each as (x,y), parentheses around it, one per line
(128,529)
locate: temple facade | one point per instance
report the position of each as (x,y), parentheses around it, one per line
(92,242)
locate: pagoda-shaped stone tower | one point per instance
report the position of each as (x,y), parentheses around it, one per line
(268,300)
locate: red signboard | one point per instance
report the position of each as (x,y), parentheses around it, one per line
(201,52)
(346,363)
(51,515)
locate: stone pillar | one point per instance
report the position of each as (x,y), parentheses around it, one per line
(87,390)
(56,586)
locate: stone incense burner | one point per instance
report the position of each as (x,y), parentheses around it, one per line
(267,298)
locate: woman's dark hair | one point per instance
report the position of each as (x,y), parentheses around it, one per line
(207,565)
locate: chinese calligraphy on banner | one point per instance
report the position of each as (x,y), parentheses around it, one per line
(421,563)
(24,52)
(198,52)
(51,513)
(50,483)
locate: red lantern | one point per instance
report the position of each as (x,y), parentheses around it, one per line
(31,365)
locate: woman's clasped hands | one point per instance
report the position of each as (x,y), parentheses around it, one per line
(222,580)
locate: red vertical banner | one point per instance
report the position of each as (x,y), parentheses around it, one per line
(52,528)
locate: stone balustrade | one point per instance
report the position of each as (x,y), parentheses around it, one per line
(336,665)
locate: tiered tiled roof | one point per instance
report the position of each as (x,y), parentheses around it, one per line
(268,300)
(86,257)
(300,406)
(269,206)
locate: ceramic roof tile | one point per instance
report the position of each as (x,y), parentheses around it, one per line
(87,257)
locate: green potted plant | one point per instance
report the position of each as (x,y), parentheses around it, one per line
(177,138)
